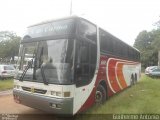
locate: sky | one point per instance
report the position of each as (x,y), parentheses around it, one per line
(122,18)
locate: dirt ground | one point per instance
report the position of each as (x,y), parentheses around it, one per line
(8,106)
(9,110)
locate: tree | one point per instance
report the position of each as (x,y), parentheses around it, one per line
(157,24)
(143,41)
(156,44)
(146,42)
(9,45)
(156,41)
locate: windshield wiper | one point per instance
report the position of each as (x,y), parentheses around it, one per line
(26,69)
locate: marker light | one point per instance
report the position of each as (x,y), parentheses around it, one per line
(66,94)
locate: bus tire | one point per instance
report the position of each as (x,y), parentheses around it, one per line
(132,80)
(135,78)
(100,95)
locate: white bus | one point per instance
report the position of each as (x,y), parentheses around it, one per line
(74,65)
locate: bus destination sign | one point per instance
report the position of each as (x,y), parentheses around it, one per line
(54,28)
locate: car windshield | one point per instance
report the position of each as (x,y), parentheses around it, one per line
(46,61)
(156,70)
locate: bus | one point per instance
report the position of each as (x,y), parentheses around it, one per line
(73,65)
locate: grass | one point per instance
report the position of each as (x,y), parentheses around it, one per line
(6,84)
(142,98)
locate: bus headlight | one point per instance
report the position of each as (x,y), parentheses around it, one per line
(53,93)
(56,93)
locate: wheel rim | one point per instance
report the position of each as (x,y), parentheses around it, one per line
(99,97)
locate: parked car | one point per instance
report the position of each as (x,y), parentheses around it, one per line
(149,69)
(7,71)
(155,72)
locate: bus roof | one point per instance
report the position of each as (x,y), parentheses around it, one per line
(49,21)
(73,17)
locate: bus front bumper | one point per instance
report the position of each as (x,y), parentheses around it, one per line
(45,103)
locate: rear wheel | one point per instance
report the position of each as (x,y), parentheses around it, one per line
(135,78)
(132,80)
(100,96)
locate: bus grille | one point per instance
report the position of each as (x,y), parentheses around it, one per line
(34,90)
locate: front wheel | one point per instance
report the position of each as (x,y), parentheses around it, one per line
(100,96)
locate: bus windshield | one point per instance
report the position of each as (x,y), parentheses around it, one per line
(49,61)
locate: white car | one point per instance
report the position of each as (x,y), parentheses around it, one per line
(7,71)
(149,69)
(155,72)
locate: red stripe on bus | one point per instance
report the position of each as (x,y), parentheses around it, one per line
(112,75)
(120,75)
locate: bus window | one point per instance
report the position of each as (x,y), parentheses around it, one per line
(82,64)
(93,59)
(86,58)
(87,30)
(84,54)
(106,42)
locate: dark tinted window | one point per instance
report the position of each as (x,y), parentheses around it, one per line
(85,62)
(87,30)
(93,54)
(156,70)
(93,59)
(106,42)
(112,45)
(84,54)
(82,63)
(119,46)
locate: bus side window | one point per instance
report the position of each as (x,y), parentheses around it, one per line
(82,65)
(87,30)
(93,60)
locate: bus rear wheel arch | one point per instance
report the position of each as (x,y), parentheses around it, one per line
(101,94)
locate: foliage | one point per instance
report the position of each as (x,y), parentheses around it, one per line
(9,45)
(156,42)
(6,84)
(148,43)
(157,24)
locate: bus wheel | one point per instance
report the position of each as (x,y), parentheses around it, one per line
(100,96)
(135,78)
(132,80)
